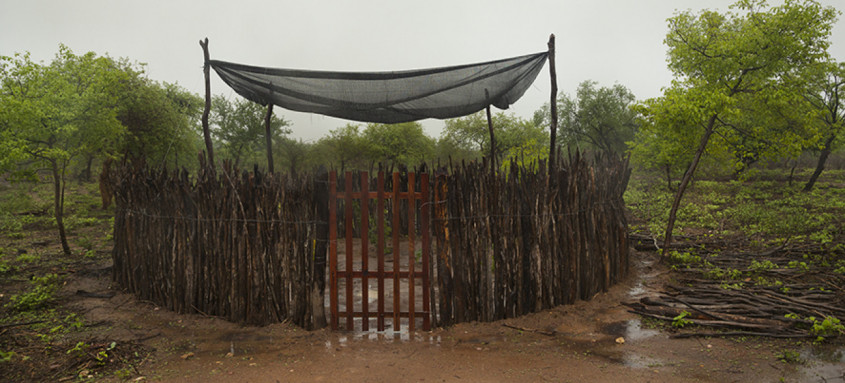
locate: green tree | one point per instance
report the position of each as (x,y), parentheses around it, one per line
(827,95)
(53,114)
(729,65)
(404,143)
(162,121)
(470,134)
(346,147)
(238,127)
(599,118)
(294,154)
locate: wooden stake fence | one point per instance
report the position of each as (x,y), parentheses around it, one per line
(239,246)
(251,247)
(515,243)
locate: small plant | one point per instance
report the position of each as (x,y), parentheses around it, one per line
(827,328)
(840,269)
(762,266)
(798,265)
(79,350)
(683,259)
(103,355)
(74,321)
(39,296)
(680,321)
(719,273)
(6,356)
(27,258)
(731,286)
(790,356)
(5,267)
(85,242)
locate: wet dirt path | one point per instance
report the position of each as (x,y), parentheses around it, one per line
(595,341)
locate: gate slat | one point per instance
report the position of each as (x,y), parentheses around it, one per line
(380,251)
(412,207)
(365,250)
(333,248)
(425,230)
(397,227)
(350,274)
(349,249)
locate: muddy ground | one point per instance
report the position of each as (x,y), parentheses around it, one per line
(595,341)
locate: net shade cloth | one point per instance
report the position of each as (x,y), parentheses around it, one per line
(387,97)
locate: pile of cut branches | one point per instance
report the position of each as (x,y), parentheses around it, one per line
(786,293)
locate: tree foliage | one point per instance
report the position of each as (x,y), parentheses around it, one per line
(598,118)
(162,121)
(293,154)
(470,136)
(353,148)
(404,143)
(345,148)
(238,128)
(827,96)
(733,79)
(54,114)
(79,108)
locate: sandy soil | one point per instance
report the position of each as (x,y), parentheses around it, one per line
(595,341)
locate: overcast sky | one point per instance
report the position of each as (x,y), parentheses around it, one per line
(609,41)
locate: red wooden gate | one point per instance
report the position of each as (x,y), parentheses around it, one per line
(363,273)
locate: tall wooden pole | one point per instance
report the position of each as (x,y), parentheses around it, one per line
(553,104)
(205,131)
(269,137)
(492,136)
(492,141)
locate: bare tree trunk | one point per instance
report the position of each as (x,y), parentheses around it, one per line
(826,149)
(59,203)
(85,175)
(673,212)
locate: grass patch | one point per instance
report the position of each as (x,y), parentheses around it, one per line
(40,294)
(766,211)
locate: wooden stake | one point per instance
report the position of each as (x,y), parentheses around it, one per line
(269,137)
(492,141)
(492,137)
(321,198)
(205,131)
(553,104)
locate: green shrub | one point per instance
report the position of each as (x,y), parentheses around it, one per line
(680,321)
(39,296)
(829,327)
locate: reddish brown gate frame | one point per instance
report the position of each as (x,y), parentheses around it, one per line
(399,276)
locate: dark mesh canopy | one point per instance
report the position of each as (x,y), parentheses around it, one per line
(387,97)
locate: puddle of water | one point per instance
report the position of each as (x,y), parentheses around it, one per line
(639,361)
(635,331)
(386,336)
(823,364)
(631,330)
(637,291)
(627,359)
